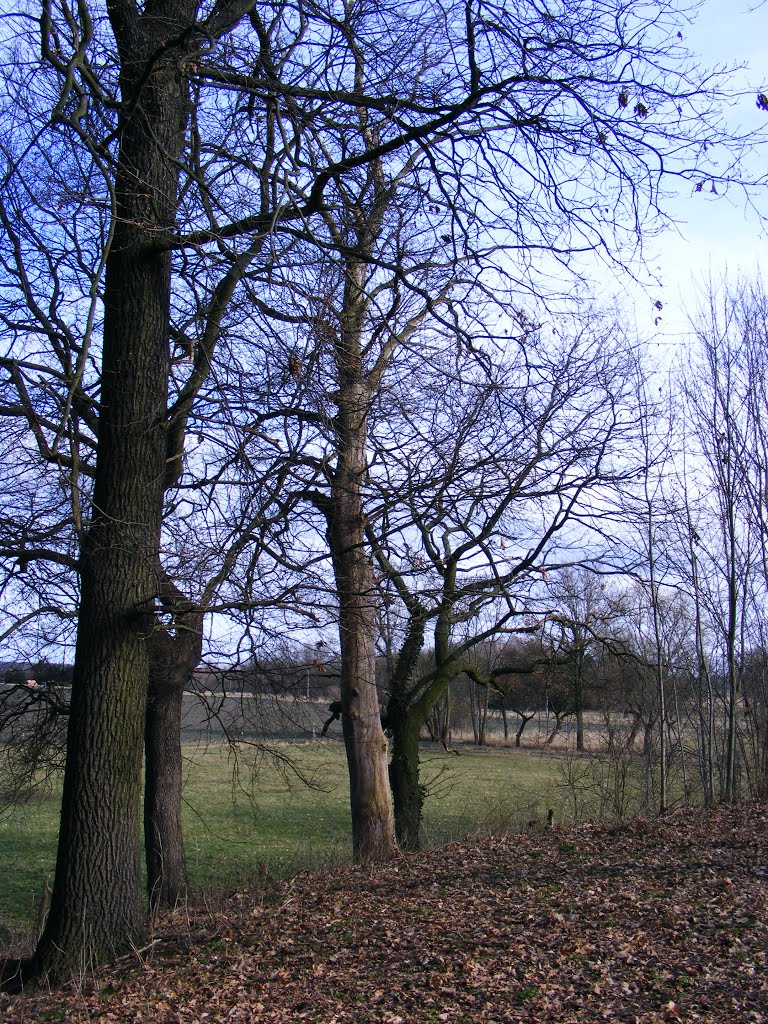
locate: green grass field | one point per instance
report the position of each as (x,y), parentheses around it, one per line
(243,816)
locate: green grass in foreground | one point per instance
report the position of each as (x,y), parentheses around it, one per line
(262,816)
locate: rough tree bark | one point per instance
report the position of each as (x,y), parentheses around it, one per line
(373,835)
(404,722)
(175,652)
(96,907)
(407,791)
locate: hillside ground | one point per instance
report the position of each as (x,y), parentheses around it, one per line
(242,817)
(646,921)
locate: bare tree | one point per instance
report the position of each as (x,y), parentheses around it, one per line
(584,623)
(651,512)
(489,473)
(119,116)
(726,410)
(175,138)
(528,79)
(520,685)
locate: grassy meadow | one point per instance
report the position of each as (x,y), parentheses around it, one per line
(247,813)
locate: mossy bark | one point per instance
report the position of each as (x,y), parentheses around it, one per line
(405,716)
(407,791)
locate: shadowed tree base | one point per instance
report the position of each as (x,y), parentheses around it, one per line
(16,975)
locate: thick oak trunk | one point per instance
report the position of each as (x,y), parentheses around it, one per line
(96,906)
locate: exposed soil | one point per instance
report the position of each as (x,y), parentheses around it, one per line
(644,922)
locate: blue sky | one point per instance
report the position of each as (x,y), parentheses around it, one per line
(714,234)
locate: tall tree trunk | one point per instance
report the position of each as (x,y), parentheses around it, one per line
(731,783)
(373,830)
(373,836)
(482,716)
(174,654)
(578,700)
(96,906)
(659,667)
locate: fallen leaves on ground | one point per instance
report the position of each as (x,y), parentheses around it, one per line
(648,921)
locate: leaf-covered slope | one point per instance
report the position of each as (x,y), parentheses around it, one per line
(651,921)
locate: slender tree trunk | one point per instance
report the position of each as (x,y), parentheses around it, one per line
(578,696)
(163,837)
(473,711)
(524,720)
(476,696)
(446,735)
(373,836)
(659,671)
(482,709)
(559,720)
(681,743)
(731,657)
(173,658)
(706,697)
(634,729)
(438,721)
(373,831)
(648,760)
(96,906)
